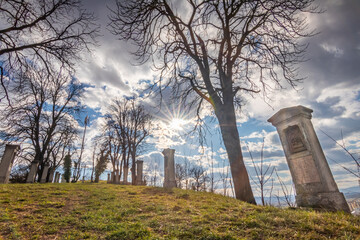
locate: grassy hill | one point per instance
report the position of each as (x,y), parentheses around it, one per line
(105,211)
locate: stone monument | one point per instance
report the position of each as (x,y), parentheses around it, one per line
(169,168)
(139,173)
(56,180)
(44,173)
(51,174)
(314,183)
(33,170)
(7,161)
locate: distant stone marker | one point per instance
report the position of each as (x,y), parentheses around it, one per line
(139,174)
(33,170)
(169,168)
(51,174)
(44,173)
(7,161)
(109,178)
(314,183)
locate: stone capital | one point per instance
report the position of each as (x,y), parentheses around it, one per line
(290,113)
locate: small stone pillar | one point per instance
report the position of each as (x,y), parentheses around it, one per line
(139,173)
(63,180)
(7,161)
(56,180)
(169,168)
(51,175)
(112,177)
(109,178)
(117,177)
(314,183)
(44,173)
(33,170)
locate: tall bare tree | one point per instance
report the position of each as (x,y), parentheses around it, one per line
(127,126)
(139,129)
(77,162)
(43,31)
(41,113)
(216,52)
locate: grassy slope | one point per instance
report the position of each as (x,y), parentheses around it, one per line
(104,211)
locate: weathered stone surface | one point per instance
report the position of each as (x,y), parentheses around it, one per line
(109,178)
(56,179)
(7,162)
(139,172)
(33,171)
(169,168)
(314,183)
(51,175)
(117,176)
(44,173)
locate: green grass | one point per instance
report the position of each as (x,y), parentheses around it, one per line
(105,211)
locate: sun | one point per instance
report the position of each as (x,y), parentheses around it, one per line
(177,124)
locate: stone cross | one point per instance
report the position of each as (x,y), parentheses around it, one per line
(7,161)
(139,174)
(33,170)
(169,168)
(44,173)
(314,183)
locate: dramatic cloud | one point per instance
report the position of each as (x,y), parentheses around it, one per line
(331,89)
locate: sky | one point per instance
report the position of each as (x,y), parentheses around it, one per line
(331,89)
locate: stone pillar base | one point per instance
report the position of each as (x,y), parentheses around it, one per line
(332,201)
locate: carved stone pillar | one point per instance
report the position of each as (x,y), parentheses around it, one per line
(32,173)
(7,161)
(314,183)
(169,168)
(139,174)
(44,173)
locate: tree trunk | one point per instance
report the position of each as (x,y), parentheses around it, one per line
(230,135)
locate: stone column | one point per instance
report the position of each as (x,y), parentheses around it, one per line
(314,183)
(7,161)
(51,175)
(126,172)
(56,177)
(117,177)
(169,168)
(33,170)
(44,173)
(139,174)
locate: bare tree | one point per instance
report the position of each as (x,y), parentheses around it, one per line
(77,162)
(287,193)
(224,177)
(216,52)
(43,31)
(101,163)
(127,127)
(139,129)
(114,137)
(62,143)
(263,174)
(212,174)
(180,174)
(352,156)
(199,175)
(41,112)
